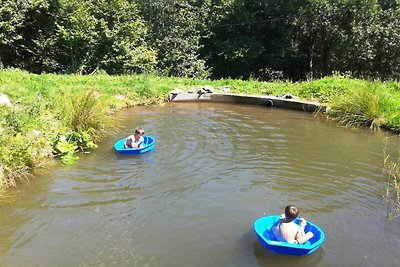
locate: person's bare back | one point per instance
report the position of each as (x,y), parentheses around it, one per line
(290,231)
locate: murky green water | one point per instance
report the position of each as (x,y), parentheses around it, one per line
(193,200)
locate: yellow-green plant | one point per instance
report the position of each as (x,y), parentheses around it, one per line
(393,182)
(359,107)
(16,159)
(85,112)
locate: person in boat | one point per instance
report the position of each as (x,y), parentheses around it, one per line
(289,231)
(135,140)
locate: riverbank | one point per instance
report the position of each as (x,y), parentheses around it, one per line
(62,114)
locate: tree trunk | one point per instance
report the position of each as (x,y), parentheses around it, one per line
(310,73)
(325,51)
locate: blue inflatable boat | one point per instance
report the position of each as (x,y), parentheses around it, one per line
(264,229)
(147,145)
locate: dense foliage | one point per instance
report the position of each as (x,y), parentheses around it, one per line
(74,36)
(263,39)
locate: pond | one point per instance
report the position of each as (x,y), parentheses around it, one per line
(192,201)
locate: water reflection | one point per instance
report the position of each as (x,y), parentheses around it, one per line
(267,258)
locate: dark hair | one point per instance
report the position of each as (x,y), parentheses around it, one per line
(139,130)
(291,213)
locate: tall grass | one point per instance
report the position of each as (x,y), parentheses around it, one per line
(393,183)
(360,107)
(85,112)
(85,118)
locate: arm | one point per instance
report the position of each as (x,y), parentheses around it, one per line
(138,143)
(299,234)
(301,237)
(128,142)
(282,219)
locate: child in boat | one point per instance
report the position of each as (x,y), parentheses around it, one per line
(288,230)
(135,140)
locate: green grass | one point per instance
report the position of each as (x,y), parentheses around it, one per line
(61,114)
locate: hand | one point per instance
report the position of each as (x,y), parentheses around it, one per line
(303,222)
(282,216)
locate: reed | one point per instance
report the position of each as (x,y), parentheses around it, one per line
(393,183)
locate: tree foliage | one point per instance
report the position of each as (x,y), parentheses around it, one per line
(305,39)
(104,34)
(75,36)
(262,39)
(176,30)
(24,27)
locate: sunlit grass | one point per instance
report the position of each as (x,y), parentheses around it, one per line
(393,183)
(85,112)
(360,107)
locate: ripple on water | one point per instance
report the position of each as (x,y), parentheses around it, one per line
(214,169)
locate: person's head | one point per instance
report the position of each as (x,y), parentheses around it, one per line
(291,213)
(139,131)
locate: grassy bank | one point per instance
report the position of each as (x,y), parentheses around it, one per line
(62,114)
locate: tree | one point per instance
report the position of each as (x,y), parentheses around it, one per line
(24,25)
(12,15)
(252,39)
(176,28)
(101,34)
(387,42)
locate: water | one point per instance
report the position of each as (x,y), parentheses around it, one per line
(193,200)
